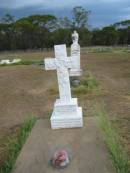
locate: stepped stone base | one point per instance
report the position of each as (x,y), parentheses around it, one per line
(75,72)
(66,115)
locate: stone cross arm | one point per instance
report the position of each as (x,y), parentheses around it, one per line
(53,63)
(50,64)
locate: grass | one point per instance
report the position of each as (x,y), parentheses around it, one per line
(53,91)
(14,145)
(105,49)
(25,62)
(88,84)
(119,157)
(98,49)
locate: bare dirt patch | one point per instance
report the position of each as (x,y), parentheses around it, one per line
(113,73)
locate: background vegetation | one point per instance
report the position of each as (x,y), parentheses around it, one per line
(43,31)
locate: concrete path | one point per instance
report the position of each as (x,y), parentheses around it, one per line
(85,145)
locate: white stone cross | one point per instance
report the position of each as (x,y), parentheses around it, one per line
(61,63)
(66,113)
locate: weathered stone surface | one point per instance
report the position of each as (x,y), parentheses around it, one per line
(66,113)
(85,147)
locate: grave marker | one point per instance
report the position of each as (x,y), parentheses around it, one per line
(75,56)
(66,113)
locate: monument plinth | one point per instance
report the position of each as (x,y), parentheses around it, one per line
(66,114)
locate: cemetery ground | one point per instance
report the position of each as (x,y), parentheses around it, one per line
(28,91)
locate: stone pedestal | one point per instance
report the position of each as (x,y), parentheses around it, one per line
(66,114)
(75,72)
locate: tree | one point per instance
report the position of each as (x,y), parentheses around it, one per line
(65,23)
(122,24)
(80,17)
(97,37)
(106,36)
(110,35)
(35,31)
(7,19)
(62,36)
(124,36)
(123,29)
(85,37)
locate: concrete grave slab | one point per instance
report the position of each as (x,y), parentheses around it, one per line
(85,146)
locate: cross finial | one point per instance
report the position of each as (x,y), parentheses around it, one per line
(60,51)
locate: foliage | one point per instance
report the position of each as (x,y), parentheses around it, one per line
(15,145)
(106,36)
(122,24)
(88,84)
(65,23)
(62,36)
(7,19)
(24,62)
(85,37)
(119,157)
(43,31)
(80,17)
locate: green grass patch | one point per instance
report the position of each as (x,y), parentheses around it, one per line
(119,156)
(25,62)
(88,84)
(14,145)
(53,91)
(97,49)
(105,49)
